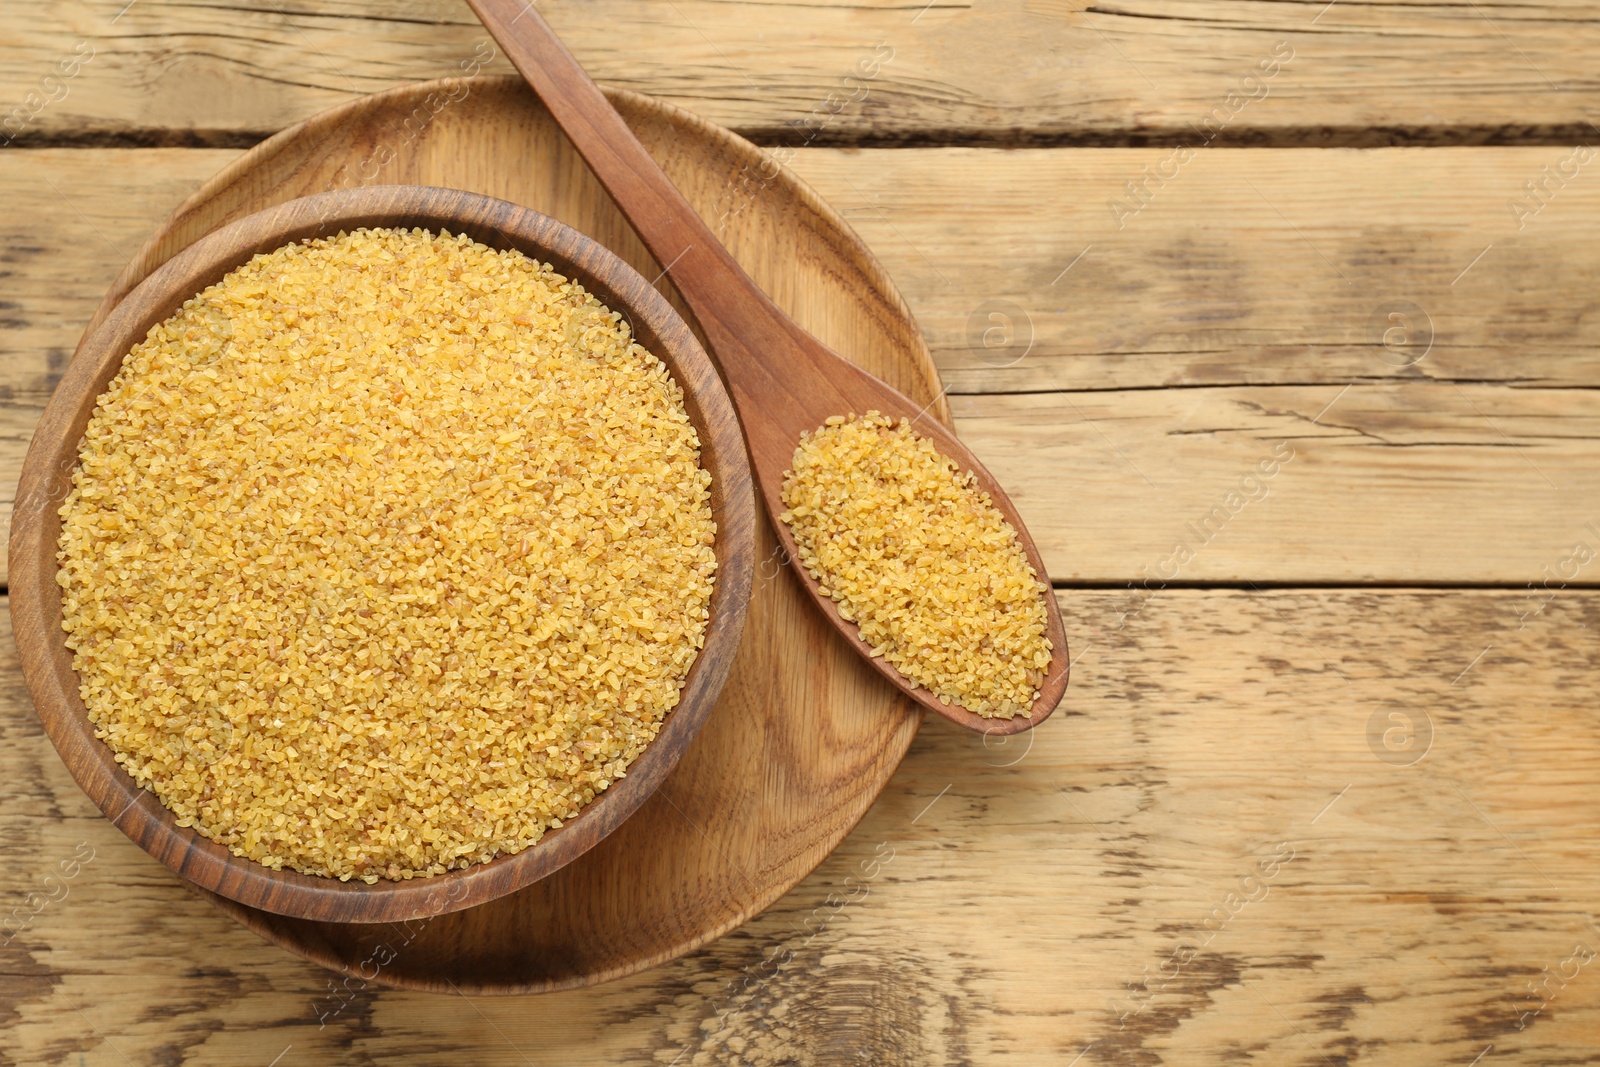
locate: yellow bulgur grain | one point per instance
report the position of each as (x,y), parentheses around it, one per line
(916,554)
(385,554)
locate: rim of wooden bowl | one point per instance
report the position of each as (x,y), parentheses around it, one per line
(52,457)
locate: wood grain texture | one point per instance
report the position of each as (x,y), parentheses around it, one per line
(997,903)
(1213,283)
(785,383)
(1277,267)
(1432,472)
(1106,892)
(1013,71)
(1425,483)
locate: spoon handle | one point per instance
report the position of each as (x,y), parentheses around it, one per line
(727,303)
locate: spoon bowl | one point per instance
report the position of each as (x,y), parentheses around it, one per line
(798,402)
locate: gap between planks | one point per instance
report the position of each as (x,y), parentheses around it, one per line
(1560,135)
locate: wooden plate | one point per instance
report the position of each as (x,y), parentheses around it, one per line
(805,735)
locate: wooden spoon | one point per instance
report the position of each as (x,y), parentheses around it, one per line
(783,380)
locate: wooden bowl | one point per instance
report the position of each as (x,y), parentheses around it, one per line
(46,480)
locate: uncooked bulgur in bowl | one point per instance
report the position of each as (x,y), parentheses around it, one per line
(380,553)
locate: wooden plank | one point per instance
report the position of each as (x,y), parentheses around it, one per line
(1038,270)
(1014,71)
(1407,478)
(1425,482)
(1214,283)
(1215,821)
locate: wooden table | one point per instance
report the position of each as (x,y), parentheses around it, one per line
(1322,789)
